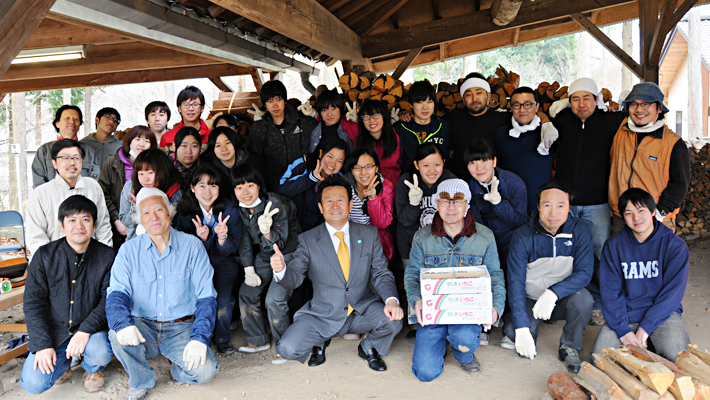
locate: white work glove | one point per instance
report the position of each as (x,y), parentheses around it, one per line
(251,278)
(306,109)
(415,192)
(544,305)
(659,217)
(351,115)
(549,134)
(256,113)
(394,115)
(524,343)
(493,196)
(265,220)
(195,354)
(557,106)
(130,336)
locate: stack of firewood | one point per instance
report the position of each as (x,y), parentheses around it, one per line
(503,83)
(694,215)
(635,373)
(359,85)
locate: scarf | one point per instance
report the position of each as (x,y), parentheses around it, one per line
(127,164)
(518,129)
(653,126)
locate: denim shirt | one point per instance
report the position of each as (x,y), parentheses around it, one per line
(433,251)
(162,287)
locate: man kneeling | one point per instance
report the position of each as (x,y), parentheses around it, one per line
(643,274)
(453,239)
(64,303)
(161,301)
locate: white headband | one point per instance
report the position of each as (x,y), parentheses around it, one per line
(474,83)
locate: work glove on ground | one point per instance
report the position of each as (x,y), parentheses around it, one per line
(265,220)
(251,278)
(415,192)
(557,106)
(524,343)
(194,355)
(493,196)
(130,336)
(549,134)
(256,113)
(544,305)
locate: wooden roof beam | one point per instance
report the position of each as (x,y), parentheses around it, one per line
(305,21)
(386,12)
(503,12)
(609,44)
(18,19)
(463,26)
(406,62)
(53,33)
(220,83)
(120,78)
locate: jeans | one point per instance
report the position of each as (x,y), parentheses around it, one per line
(669,339)
(576,309)
(599,216)
(411,312)
(168,339)
(430,348)
(224,276)
(250,307)
(97,355)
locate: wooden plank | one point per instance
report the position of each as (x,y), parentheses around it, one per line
(633,388)
(332,5)
(120,78)
(693,366)
(682,10)
(386,12)
(304,21)
(477,23)
(442,52)
(516,36)
(221,85)
(18,20)
(52,33)
(15,296)
(609,44)
(351,8)
(599,384)
(406,62)
(655,376)
(215,10)
(7,356)
(257,77)
(356,11)
(503,12)
(703,355)
(13,328)
(108,59)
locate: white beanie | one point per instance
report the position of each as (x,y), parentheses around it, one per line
(586,84)
(146,192)
(453,186)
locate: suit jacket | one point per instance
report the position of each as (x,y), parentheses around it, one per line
(316,258)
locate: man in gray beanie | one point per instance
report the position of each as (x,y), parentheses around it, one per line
(453,239)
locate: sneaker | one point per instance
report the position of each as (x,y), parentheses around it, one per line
(225,349)
(136,394)
(253,348)
(66,377)
(278,359)
(351,336)
(597,318)
(483,339)
(570,357)
(93,381)
(506,343)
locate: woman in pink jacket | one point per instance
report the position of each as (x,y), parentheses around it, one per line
(376,132)
(373,195)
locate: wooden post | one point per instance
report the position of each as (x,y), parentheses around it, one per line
(88,117)
(19,129)
(628,46)
(648,18)
(257,77)
(695,90)
(18,20)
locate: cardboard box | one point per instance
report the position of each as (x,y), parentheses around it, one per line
(460,280)
(457,301)
(478,316)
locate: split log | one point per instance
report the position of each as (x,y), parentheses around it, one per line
(695,367)
(655,376)
(599,384)
(703,355)
(702,391)
(563,387)
(682,387)
(633,388)
(378,85)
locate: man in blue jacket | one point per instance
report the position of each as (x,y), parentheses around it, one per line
(550,262)
(643,274)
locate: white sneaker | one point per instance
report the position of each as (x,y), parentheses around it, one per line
(252,348)
(506,343)
(484,339)
(278,359)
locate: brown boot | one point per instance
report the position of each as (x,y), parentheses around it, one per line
(66,377)
(93,381)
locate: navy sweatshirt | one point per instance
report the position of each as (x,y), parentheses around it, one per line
(411,135)
(645,282)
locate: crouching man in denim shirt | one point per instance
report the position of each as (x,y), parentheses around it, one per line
(453,239)
(161,301)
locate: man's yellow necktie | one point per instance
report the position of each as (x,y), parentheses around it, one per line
(344,259)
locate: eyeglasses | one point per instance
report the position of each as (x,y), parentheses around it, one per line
(193,106)
(373,116)
(527,105)
(450,202)
(76,159)
(367,168)
(645,105)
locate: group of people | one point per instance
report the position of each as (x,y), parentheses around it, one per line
(143,246)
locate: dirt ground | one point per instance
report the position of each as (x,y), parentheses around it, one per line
(345,376)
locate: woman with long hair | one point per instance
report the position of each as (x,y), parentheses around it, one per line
(208,212)
(376,132)
(225,148)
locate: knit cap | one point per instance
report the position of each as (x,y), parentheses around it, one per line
(453,186)
(146,192)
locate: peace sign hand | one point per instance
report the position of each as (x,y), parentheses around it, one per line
(202,231)
(316,172)
(371,190)
(265,220)
(415,192)
(221,229)
(351,115)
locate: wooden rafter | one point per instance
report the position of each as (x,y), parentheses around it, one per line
(351,8)
(305,21)
(386,13)
(609,44)
(220,83)
(52,33)
(453,28)
(406,62)
(359,10)
(332,5)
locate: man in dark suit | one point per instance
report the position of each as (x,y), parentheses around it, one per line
(341,259)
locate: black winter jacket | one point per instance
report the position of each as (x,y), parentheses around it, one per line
(61,297)
(277,150)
